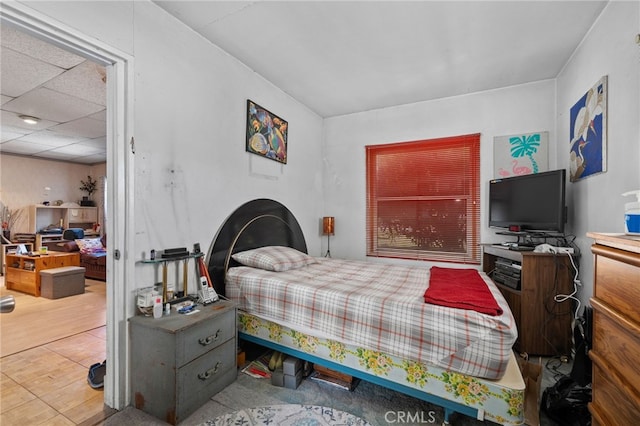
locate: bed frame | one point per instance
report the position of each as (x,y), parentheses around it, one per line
(265,222)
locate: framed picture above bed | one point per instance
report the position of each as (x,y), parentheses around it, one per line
(266,133)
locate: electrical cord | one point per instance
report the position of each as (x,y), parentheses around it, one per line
(559,298)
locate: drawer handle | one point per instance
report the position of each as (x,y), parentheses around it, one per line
(204,341)
(207,374)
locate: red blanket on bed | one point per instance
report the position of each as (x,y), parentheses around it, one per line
(460,288)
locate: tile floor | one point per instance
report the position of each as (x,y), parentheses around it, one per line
(47,385)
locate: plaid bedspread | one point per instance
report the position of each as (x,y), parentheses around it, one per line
(378,307)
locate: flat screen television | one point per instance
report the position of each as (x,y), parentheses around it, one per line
(533,203)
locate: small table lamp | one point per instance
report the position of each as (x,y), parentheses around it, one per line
(328,229)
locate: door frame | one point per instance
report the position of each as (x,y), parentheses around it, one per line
(120,166)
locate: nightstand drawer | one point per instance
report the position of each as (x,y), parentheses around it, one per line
(206,376)
(204,337)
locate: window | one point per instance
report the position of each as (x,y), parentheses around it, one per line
(423,199)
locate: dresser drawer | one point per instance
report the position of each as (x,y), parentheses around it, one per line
(616,341)
(618,281)
(610,403)
(204,337)
(206,376)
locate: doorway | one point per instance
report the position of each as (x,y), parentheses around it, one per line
(119,210)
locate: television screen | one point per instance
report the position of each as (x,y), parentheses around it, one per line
(534,202)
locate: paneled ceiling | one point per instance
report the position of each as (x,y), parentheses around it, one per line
(335,57)
(65,92)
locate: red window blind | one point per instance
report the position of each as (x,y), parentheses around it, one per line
(423,199)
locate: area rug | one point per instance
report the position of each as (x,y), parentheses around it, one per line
(288,415)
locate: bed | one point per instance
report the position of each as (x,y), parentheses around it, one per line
(481,380)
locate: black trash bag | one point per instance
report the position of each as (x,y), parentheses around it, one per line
(566,403)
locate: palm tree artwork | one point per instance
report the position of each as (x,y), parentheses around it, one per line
(525,146)
(520,154)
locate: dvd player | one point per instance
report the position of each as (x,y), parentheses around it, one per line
(507,272)
(511,282)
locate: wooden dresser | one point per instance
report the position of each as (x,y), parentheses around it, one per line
(616,330)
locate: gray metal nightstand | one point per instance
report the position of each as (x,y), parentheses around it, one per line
(178,362)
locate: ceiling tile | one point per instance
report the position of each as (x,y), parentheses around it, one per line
(55,155)
(83,127)
(38,49)
(98,143)
(22,73)
(83,81)
(18,146)
(8,135)
(101,115)
(50,139)
(91,159)
(51,105)
(77,149)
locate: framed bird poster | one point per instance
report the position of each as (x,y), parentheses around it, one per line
(266,133)
(588,133)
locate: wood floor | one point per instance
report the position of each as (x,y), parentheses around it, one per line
(47,349)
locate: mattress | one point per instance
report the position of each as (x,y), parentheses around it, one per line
(379,307)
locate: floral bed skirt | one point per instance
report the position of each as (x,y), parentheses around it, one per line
(500,401)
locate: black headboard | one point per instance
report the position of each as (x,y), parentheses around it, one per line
(257,223)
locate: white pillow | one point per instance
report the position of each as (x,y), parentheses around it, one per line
(274,258)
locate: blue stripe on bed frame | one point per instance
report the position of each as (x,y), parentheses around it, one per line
(448,406)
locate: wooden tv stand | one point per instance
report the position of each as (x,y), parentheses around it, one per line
(544,325)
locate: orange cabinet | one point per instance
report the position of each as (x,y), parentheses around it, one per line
(23,272)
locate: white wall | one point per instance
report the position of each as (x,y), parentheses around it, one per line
(525,108)
(192,170)
(23,181)
(609,49)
